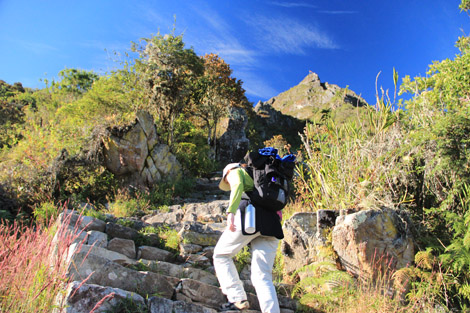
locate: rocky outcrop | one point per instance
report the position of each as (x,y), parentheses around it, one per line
(136,154)
(364,242)
(269,122)
(372,241)
(232,142)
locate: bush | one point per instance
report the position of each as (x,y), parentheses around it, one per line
(127,205)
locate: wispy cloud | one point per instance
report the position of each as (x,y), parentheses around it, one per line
(290,36)
(293,4)
(255,86)
(219,37)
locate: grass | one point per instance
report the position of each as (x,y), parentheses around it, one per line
(32,272)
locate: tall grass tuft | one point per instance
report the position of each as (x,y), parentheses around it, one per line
(32,271)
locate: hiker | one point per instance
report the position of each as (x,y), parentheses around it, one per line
(264,243)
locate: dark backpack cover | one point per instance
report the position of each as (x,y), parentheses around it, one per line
(271,175)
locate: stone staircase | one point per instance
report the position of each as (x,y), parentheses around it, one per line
(116,266)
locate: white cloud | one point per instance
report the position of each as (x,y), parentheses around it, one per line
(255,86)
(219,37)
(285,35)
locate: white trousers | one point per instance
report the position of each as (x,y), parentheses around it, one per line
(263,253)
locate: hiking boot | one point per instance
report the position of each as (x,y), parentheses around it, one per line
(235,306)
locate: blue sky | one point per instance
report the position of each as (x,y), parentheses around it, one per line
(271,45)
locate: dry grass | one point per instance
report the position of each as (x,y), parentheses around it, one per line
(32,272)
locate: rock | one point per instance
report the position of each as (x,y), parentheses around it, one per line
(152,253)
(370,241)
(103,272)
(211,211)
(174,215)
(232,143)
(189,248)
(200,276)
(70,234)
(82,298)
(198,260)
(162,305)
(185,307)
(126,152)
(166,163)
(148,126)
(123,246)
(300,244)
(179,271)
(287,303)
(134,153)
(118,231)
(248,286)
(208,252)
(284,289)
(97,239)
(101,252)
(204,294)
(80,221)
(197,233)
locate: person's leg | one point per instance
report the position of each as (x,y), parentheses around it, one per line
(229,244)
(263,253)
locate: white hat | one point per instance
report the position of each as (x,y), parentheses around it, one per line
(223,184)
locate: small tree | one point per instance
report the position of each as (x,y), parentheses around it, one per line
(215,92)
(167,71)
(75,82)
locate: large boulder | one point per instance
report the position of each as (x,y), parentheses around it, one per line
(373,240)
(126,153)
(304,237)
(134,153)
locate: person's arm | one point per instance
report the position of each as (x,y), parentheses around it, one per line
(235,180)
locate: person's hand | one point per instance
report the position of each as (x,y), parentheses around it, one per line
(231,222)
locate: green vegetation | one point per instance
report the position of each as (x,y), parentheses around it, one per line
(415,158)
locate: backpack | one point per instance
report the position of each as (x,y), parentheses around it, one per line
(271,176)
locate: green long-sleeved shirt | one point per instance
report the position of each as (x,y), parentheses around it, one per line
(240,182)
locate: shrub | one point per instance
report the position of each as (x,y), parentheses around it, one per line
(163,194)
(126,205)
(45,212)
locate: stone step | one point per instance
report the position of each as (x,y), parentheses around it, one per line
(181,283)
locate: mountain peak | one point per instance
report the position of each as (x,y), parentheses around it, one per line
(311,97)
